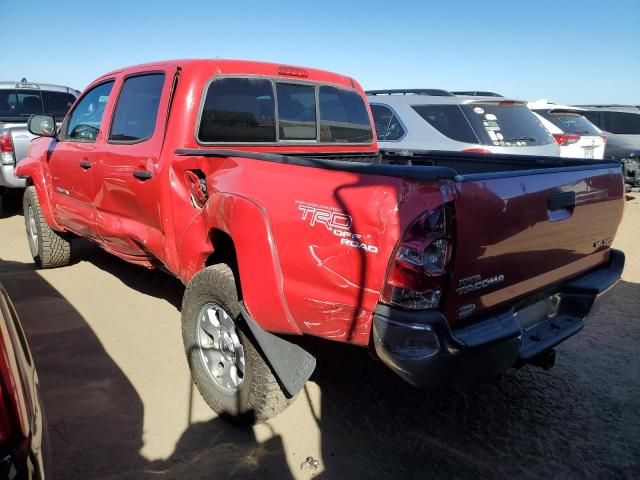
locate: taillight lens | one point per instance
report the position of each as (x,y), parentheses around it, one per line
(415,276)
(564,139)
(7,423)
(6,149)
(482,151)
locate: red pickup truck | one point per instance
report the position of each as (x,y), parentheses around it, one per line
(261,187)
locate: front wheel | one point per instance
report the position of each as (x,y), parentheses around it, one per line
(48,248)
(226,364)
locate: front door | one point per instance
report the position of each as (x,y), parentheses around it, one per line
(128,216)
(71,160)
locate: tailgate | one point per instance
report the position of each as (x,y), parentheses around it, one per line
(518,232)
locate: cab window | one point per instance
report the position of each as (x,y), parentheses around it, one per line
(83,124)
(135,114)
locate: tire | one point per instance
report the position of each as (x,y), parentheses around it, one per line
(48,248)
(259,396)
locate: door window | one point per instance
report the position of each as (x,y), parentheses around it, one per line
(136,112)
(83,125)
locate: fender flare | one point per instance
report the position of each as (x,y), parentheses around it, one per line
(261,278)
(31,170)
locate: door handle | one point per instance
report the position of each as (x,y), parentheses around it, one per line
(559,201)
(86,165)
(142,175)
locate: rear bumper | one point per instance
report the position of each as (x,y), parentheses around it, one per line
(421,348)
(8,177)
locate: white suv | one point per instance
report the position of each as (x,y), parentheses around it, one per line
(576,135)
(438,120)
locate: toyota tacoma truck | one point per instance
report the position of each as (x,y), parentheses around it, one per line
(261,187)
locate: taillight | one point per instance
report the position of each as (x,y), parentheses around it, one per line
(482,151)
(7,422)
(421,259)
(6,149)
(564,139)
(604,137)
(293,71)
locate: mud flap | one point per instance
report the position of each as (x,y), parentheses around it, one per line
(290,363)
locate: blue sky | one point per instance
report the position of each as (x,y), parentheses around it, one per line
(569,52)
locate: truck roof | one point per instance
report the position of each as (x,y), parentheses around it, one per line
(231,66)
(9,85)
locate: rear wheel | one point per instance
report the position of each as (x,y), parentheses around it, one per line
(48,248)
(226,364)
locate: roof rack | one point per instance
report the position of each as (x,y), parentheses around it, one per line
(609,105)
(434,92)
(477,93)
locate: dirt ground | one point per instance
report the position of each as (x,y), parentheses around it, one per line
(120,404)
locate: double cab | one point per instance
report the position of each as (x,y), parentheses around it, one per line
(262,188)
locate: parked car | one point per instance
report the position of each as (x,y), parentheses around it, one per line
(18,101)
(23,445)
(627,154)
(260,186)
(437,120)
(621,120)
(576,135)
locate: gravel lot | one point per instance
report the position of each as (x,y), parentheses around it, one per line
(117,391)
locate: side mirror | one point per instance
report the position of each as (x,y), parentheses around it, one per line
(42,125)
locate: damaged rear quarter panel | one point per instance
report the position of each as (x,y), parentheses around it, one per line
(333,233)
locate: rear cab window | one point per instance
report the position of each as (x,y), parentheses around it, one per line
(570,122)
(264,110)
(19,104)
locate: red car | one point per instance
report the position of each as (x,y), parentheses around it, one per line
(22,426)
(260,186)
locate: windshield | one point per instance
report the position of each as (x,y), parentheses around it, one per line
(19,104)
(510,125)
(570,122)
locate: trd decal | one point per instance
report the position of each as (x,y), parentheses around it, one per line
(336,222)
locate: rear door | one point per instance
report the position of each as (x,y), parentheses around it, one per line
(72,159)
(523,231)
(127,217)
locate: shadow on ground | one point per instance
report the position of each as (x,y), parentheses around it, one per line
(578,420)
(95,416)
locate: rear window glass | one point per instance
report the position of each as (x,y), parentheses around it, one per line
(449,120)
(296,111)
(507,125)
(243,110)
(570,122)
(20,104)
(622,123)
(238,110)
(343,117)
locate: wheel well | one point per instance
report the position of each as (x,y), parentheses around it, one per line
(224,251)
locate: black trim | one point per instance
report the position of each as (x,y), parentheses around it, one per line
(399,171)
(495,342)
(291,364)
(143,175)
